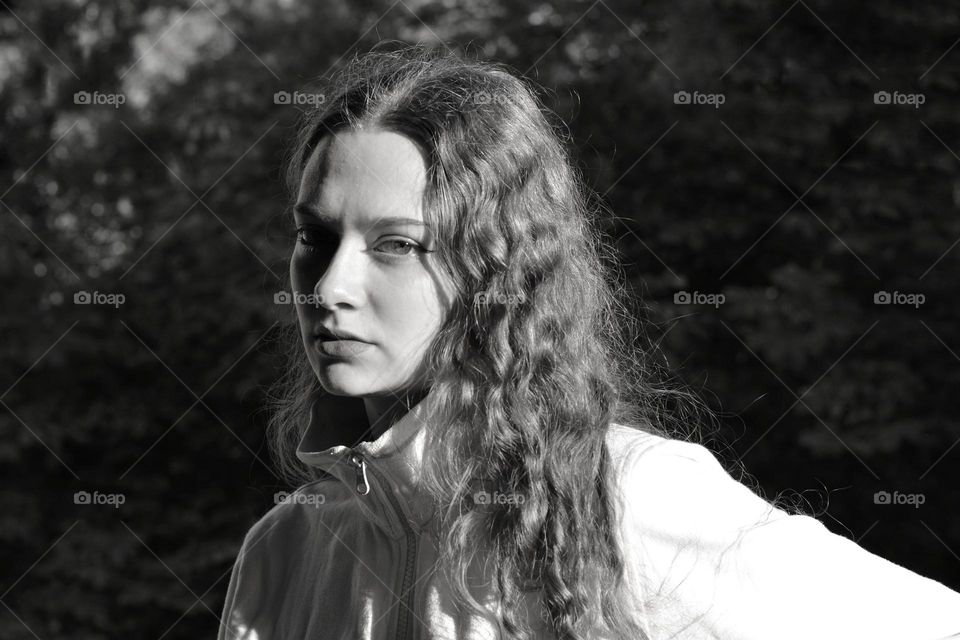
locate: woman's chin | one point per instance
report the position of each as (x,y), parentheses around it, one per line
(339,380)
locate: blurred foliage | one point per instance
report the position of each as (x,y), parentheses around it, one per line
(798,199)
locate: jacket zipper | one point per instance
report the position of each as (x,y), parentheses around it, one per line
(405,622)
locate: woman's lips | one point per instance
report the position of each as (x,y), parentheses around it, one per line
(334,348)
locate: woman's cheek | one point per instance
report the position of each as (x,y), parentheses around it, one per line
(305,270)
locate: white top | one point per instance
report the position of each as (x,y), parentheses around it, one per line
(706,558)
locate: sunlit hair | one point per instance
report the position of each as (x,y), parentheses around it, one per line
(529,375)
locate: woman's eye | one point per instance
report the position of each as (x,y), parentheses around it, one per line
(402,247)
(324,241)
(316,239)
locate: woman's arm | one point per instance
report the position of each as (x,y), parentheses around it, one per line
(711,559)
(247,609)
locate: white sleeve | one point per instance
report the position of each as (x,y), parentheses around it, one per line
(228,629)
(712,559)
(247,610)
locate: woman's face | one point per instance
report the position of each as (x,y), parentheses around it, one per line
(360,265)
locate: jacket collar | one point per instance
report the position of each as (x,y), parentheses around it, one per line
(393,459)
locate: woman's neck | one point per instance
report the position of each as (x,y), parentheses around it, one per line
(384,411)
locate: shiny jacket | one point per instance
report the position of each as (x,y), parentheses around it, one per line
(351,556)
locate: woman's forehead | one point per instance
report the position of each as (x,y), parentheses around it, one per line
(365,172)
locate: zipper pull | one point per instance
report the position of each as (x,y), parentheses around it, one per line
(357,460)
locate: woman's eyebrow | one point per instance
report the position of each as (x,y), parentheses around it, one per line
(398,220)
(310,210)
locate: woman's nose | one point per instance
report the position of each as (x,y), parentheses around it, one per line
(340,282)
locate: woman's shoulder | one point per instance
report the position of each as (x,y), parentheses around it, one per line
(287,521)
(637,451)
(679,484)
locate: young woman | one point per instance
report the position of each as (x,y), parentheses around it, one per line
(482,451)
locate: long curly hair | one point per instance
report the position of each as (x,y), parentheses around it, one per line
(541,351)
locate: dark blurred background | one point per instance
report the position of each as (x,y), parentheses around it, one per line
(784,181)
